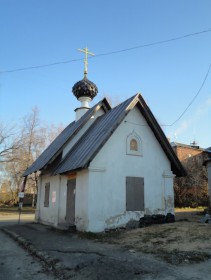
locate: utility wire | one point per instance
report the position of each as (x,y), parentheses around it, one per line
(192,100)
(129,49)
(40,66)
(188,106)
(154,43)
(108,53)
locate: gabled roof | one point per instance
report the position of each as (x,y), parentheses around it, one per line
(96,136)
(69,132)
(90,143)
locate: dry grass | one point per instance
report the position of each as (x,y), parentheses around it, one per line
(187,240)
(14,209)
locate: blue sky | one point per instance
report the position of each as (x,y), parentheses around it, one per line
(38,32)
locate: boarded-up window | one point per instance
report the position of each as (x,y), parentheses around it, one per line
(134,194)
(47,194)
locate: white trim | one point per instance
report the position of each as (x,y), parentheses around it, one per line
(97,168)
(168,174)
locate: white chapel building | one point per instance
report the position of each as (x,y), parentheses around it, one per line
(106,168)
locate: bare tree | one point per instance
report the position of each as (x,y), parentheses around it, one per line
(192,190)
(9,142)
(34,138)
(52,132)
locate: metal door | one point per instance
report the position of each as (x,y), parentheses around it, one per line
(134,194)
(70,206)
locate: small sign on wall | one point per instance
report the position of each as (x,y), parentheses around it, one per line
(54,198)
(21,194)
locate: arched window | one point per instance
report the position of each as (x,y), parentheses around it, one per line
(133,145)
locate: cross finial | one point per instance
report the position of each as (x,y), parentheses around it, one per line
(86,52)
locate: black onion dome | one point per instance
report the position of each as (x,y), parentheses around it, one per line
(85,88)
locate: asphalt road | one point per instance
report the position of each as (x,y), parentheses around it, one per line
(13,218)
(72,256)
(16,263)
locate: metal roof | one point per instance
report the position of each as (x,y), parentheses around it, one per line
(96,136)
(90,143)
(56,146)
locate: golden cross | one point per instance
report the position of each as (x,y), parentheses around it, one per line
(86,51)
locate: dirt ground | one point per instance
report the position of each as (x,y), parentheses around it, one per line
(176,251)
(185,241)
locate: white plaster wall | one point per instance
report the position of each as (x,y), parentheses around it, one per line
(99,194)
(107,200)
(101,190)
(81,200)
(62,200)
(75,139)
(168,198)
(55,214)
(49,215)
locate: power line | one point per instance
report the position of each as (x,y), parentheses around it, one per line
(188,106)
(40,66)
(109,53)
(194,97)
(155,43)
(129,49)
